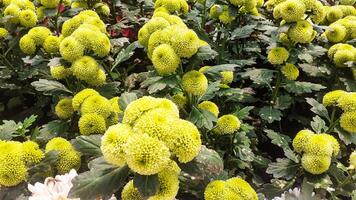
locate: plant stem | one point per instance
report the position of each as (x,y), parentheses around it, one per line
(276,89)
(204,16)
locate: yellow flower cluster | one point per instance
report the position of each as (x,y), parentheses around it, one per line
(233,188)
(222,13)
(97,112)
(342,29)
(316,149)
(64,108)
(194,83)
(278,55)
(226,77)
(290,71)
(68,157)
(227,124)
(334,13)
(36,37)
(340,54)
(100,7)
(167,40)
(21,11)
(15,158)
(168,185)
(177,6)
(150,133)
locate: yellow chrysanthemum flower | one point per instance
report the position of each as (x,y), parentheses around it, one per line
(68,159)
(348,121)
(146,155)
(12,11)
(129,192)
(58,143)
(227,124)
(319,145)
(180,100)
(39,34)
(50,3)
(315,164)
(71,49)
(91,124)
(12,170)
(115,104)
(209,106)
(3,33)
(85,68)
(27,45)
(218,189)
(80,97)
(301,32)
(278,55)
(96,104)
(60,72)
(290,71)
(292,10)
(301,139)
(352,160)
(337,34)
(227,77)
(64,109)
(195,83)
(347,102)
(168,185)
(343,56)
(334,143)
(28,18)
(242,188)
(31,153)
(165,60)
(186,43)
(332,97)
(51,44)
(334,14)
(101,45)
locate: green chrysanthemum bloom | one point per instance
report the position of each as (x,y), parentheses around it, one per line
(318,12)
(51,44)
(334,143)
(31,153)
(85,68)
(319,145)
(101,45)
(156,123)
(13,11)
(99,79)
(27,45)
(146,155)
(218,189)
(347,10)
(334,14)
(227,77)
(343,56)
(80,97)
(60,72)
(96,104)
(168,185)
(58,144)
(336,47)
(301,32)
(12,170)
(242,188)
(290,71)
(184,142)
(186,44)
(91,124)
(278,55)
(195,83)
(39,34)
(180,100)
(227,124)
(50,3)
(3,33)
(348,121)
(292,10)
(64,109)
(85,35)
(129,192)
(209,106)
(71,49)
(332,97)
(68,159)
(28,18)
(352,159)
(165,60)
(337,34)
(315,164)
(301,139)
(113,142)
(143,36)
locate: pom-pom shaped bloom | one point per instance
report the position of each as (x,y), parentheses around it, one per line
(28,18)
(50,3)
(334,143)
(114,102)
(334,14)
(64,109)
(91,123)
(215,11)
(12,170)
(278,55)
(348,121)
(57,144)
(318,12)
(227,124)
(101,45)
(85,68)
(146,155)
(301,32)
(165,60)
(3,33)
(68,159)
(12,11)
(39,34)
(60,72)
(343,56)
(242,188)
(218,190)
(40,12)
(71,25)
(156,23)
(186,43)
(31,153)
(195,83)
(27,45)
(290,71)
(80,97)
(292,10)
(347,102)
(180,100)
(103,9)
(225,17)
(129,192)
(352,160)
(301,139)
(71,49)
(315,164)
(184,142)
(209,106)
(51,44)
(143,36)
(96,104)
(168,184)
(337,34)
(332,97)
(227,77)
(319,145)
(113,142)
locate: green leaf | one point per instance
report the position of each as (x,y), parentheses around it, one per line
(211,91)
(104,182)
(205,53)
(283,142)
(202,118)
(124,54)
(297,87)
(259,76)
(146,185)
(29,121)
(110,90)
(125,99)
(276,188)
(321,181)
(214,71)
(244,112)
(242,32)
(50,87)
(50,130)
(318,125)
(318,108)
(50,12)
(88,145)
(8,129)
(283,168)
(270,114)
(40,170)
(315,71)
(346,137)
(283,102)
(99,164)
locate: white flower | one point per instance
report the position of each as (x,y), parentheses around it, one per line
(53,188)
(295,193)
